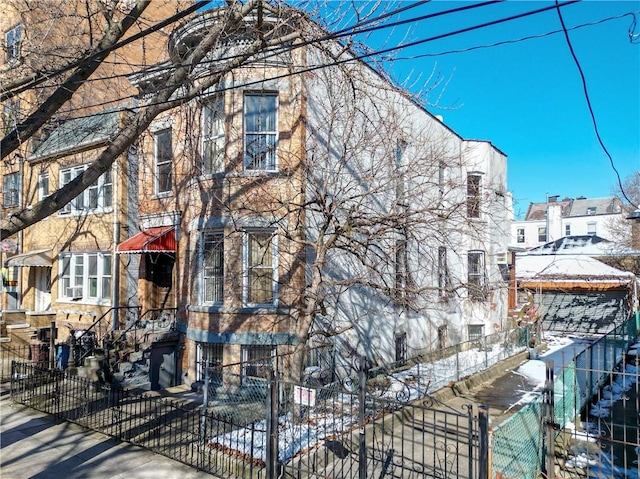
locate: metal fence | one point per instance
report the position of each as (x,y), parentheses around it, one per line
(8,354)
(521,444)
(377,422)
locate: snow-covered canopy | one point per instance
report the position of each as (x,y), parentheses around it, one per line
(568,267)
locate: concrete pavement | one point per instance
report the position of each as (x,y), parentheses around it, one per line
(34,446)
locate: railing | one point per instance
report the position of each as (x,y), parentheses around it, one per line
(8,354)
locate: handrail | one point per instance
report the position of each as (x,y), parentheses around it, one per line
(110,310)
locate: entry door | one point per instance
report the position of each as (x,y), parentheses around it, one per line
(43,288)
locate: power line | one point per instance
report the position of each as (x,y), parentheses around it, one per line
(45,76)
(374,53)
(589,106)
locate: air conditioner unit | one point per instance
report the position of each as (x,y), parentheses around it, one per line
(75,292)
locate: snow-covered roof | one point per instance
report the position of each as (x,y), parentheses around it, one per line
(567,267)
(588,245)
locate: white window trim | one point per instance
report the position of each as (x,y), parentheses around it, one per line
(103,297)
(206,138)
(11,190)
(201,250)
(274,132)
(245,267)
(70,209)
(12,50)
(156,169)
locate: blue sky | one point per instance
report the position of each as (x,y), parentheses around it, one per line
(527,97)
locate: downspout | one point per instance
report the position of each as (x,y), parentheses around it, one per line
(115,263)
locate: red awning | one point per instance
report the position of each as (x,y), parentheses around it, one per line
(152,240)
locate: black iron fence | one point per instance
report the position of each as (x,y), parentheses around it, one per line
(8,354)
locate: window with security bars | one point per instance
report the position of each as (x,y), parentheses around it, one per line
(213,135)
(257,360)
(209,355)
(260,131)
(476,332)
(476,276)
(260,267)
(213,267)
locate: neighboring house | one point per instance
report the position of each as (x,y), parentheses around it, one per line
(574,286)
(324,208)
(566,217)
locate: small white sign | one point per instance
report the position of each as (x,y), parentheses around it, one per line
(304,396)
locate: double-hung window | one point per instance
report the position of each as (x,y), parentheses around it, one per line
(475,275)
(260,131)
(520,238)
(13,42)
(213,135)
(11,185)
(213,267)
(260,267)
(163,152)
(97,197)
(542,234)
(444,281)
(85,276)
(43,186)
(473,196)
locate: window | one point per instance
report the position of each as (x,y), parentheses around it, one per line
(476,332)
(85,276)
(567,229)
(260,131)
(401,268)
(164,160)
(260,271)
(591,229)
(444,282)
(520,235)
(591,210)
(542,234)
(209,355)
(441,177)
(213,267)
(13,42)
(95,198)
(476,277)
(213,136)
(10,113)
(473,196)
(43,186)
(401,346)
(257,360)
(11,184)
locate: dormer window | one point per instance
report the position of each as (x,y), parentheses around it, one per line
(591,210)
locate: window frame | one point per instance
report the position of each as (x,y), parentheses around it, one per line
(81,204)
(75,272)
(256,367)
(476,275)
(475,332)
(213,133)
(13,38)
(592,228)
(270,147)
(214,360)
(567,229)
(542,234)
(216,238)
(474,195)
(11,190)
(163,179)
(43,185)
(444,278)
(520,235)
(247,298)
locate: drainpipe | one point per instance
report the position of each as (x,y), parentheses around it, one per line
(115,263)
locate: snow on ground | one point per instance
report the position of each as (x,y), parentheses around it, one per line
(340,414)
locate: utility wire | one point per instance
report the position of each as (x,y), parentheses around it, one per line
(45,76)
(589,106)
(369,54)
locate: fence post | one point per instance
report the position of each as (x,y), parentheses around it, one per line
(483,432)
(549,420)
(205,402)
(362,451)
(272,426)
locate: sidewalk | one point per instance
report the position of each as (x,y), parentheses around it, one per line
(34,445)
